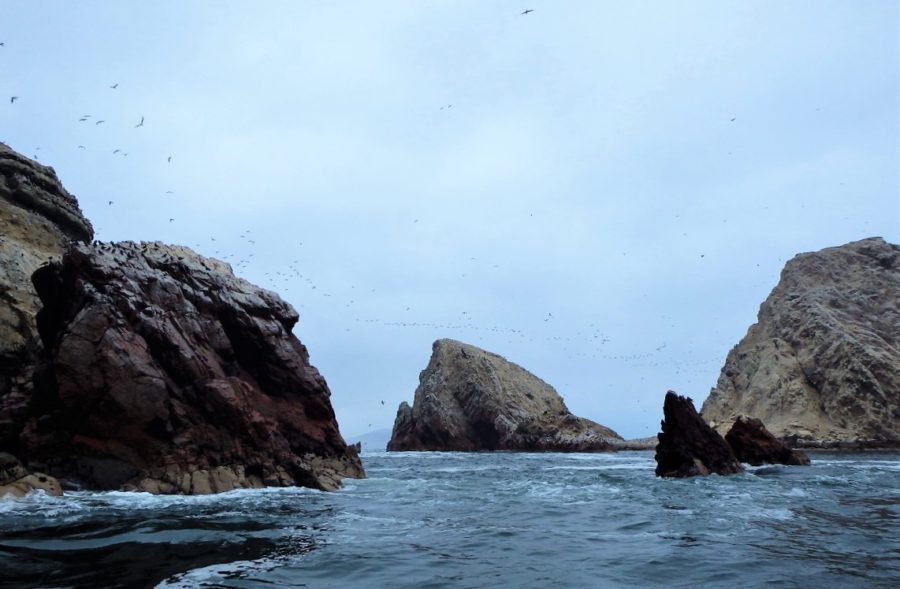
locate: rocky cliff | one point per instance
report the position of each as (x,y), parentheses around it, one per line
(470,399)
(155,368)
(822,363)
(38,219)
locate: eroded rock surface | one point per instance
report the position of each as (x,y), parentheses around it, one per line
(470,399)
(754,444)
(38,219)
(822,364)
(688,446)
(16,481)
(167,373)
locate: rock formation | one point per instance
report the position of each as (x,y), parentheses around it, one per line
(38,219)
(155,368)
(470,399)
(15,479)
(688,446)
(822,364)
(752,443)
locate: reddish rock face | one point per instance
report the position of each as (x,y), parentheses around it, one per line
(688,446)
(167,373)
(754,444)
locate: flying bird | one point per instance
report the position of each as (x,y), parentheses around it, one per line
(110,202)
(171,219)
(527,10)
(141,124)
(169,159)
(115,151)
(114,86)
(81,147)
(99,122)
(13,99)
(733,119)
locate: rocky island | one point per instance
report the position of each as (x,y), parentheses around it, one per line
(822,364)
(146,366)
(469,399)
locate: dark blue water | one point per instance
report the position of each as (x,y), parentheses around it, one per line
(481,520)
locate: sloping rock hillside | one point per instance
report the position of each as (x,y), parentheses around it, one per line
(156,369)
(470,399)
(822,364)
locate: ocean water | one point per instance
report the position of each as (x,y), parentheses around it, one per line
(480,520)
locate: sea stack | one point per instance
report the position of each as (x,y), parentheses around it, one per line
(822,364)
(469,399)
(754,444)
(688,446)
(155,369)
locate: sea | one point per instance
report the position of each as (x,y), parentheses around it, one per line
(467,520)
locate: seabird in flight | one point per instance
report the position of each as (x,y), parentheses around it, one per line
(527,10)
(114,86)
(99,122)
(13,99)
(141,124)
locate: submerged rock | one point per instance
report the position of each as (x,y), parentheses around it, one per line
(16,481)
(470,399)
(688,446)
(822,364)
(754,444)
(166,373)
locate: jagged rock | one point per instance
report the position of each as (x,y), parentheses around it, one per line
(470,399)
(38,219)
(15,480)
(167,373)
(687,445)
(754,444)
(822,364)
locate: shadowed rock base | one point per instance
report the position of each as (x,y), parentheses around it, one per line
(754,444)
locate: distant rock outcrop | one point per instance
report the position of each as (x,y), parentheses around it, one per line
(148,366)
(688,446)
(822,364)
(754,444)
(469,399)
(38,219)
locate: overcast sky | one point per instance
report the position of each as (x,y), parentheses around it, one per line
(601,192)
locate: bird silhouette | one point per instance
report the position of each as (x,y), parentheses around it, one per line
(733,119)
(527,10)
(114,86)
(100,122)
(169,159)
(170,220)
(13,99)
(115,151)
(141,124)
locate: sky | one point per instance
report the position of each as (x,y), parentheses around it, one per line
(601,192)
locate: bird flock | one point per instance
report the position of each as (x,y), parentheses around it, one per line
(592,342)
